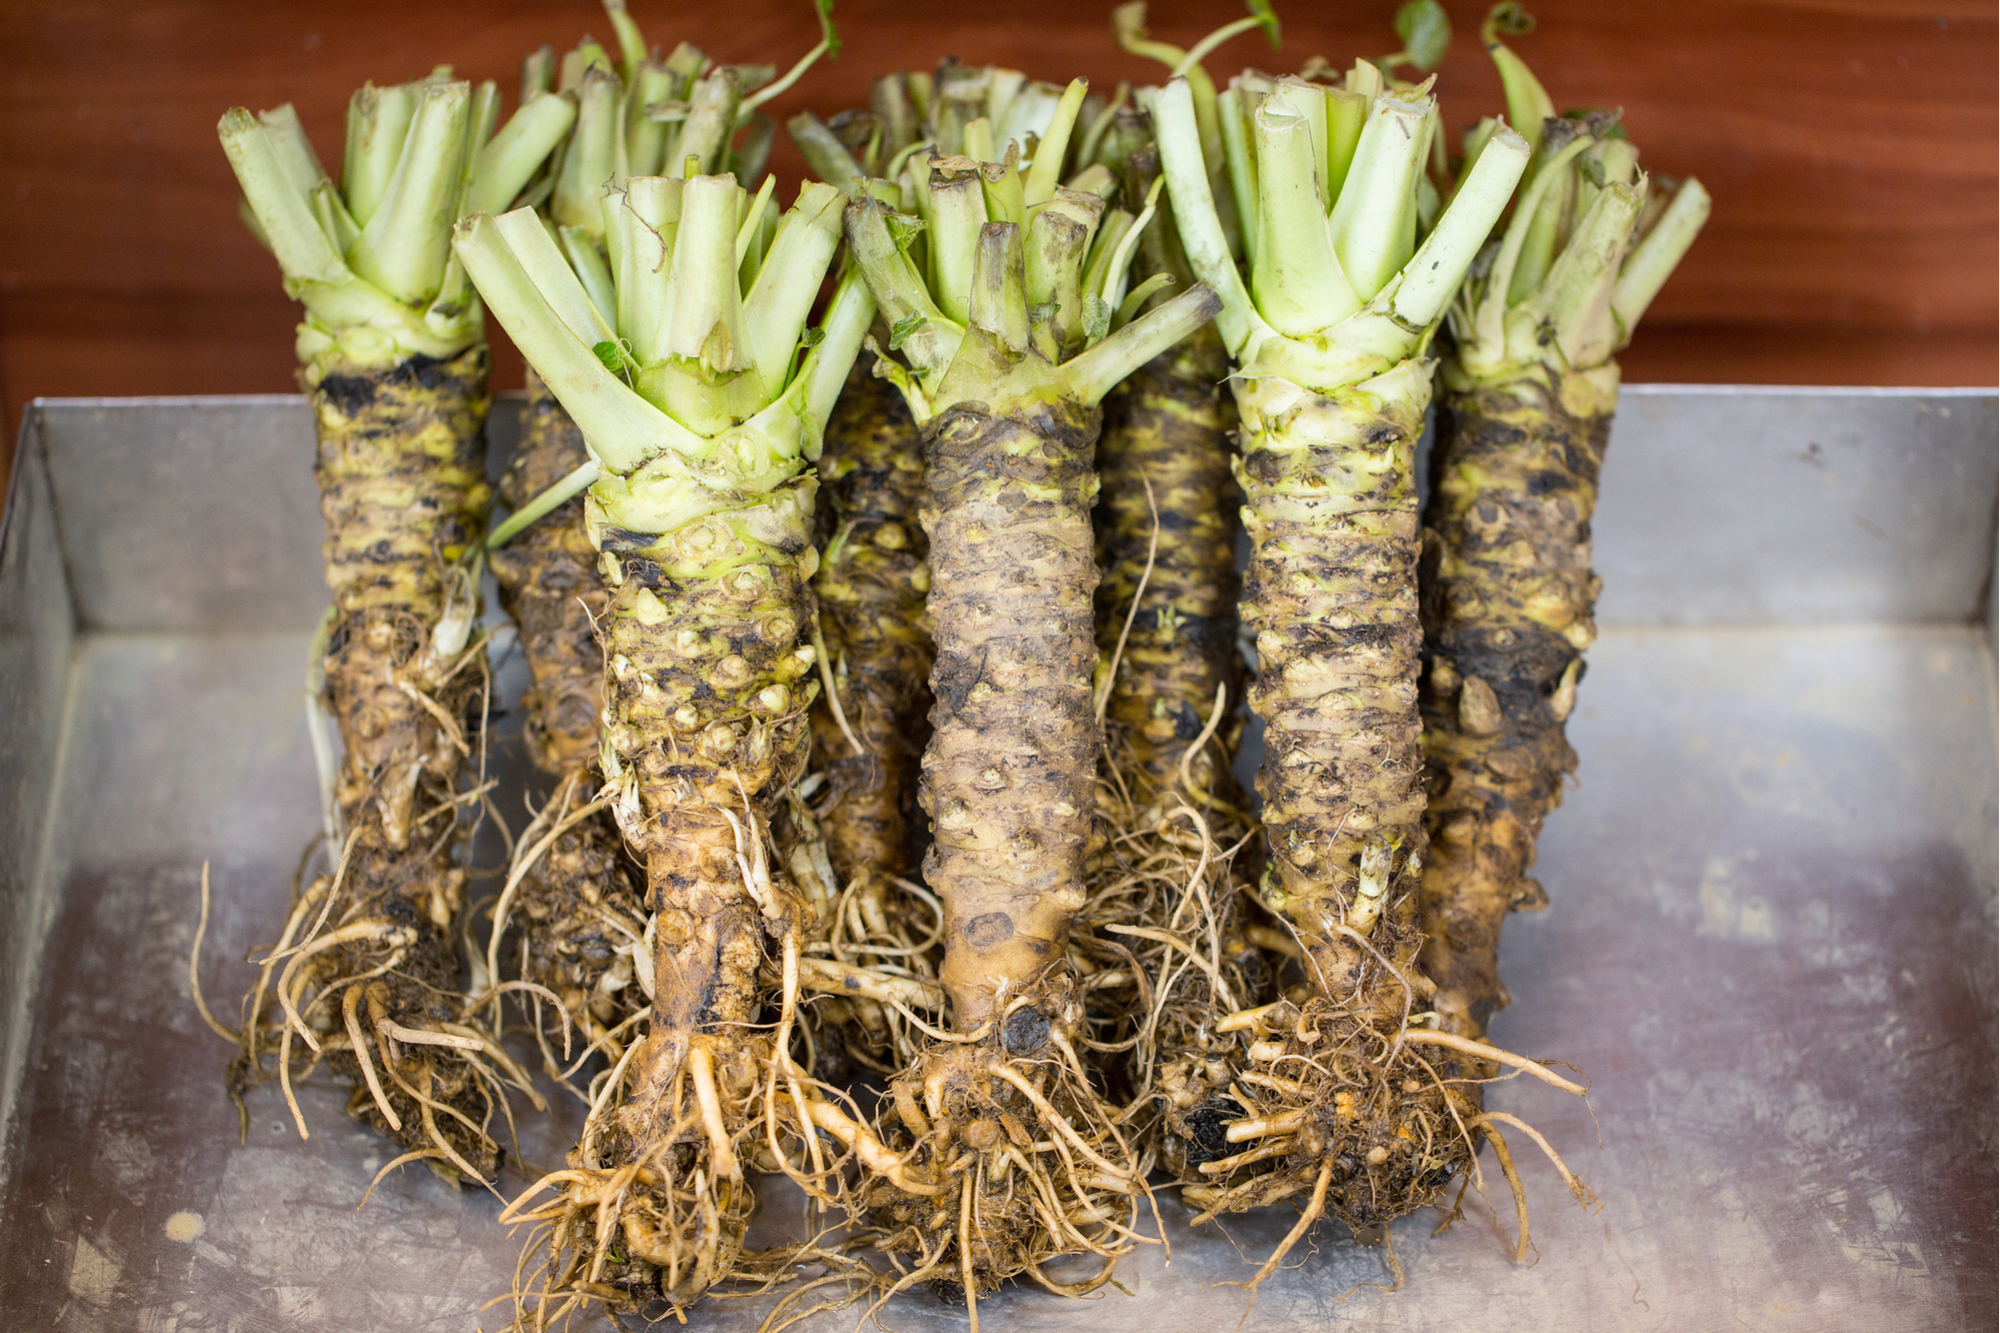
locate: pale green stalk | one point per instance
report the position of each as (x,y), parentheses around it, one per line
(1374,223)
(1399,316)
(1649,266)
(646,139)
(512,156)
(403,248)
(1581,258)
(590,160)
(1298,281)
(378,120)
(1040,184)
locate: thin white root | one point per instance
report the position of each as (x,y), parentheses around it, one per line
(965,1250)
(427,1037)
(1314,1207)
(420,1155)
(1276,941)
(1426,1037)
(1506,1160)
(194,968)
(874,1154)
(350,1013)
(1290,1122)
(1254,1020)
(1577,1189)
(1223,993)
(722,1157)
(832,978)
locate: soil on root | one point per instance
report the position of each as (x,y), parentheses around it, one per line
(1006,1157)
(371,986)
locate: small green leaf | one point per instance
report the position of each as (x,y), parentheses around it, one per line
(826,29)
(1426,32)
(607,352)
(1261,11)
(1043,313)
(904,228)
(1507,19)
(902,330)
(1097,313)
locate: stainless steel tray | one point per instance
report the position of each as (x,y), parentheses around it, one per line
(1771,946)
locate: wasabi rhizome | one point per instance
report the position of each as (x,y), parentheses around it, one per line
(1330,330)
(367,973)
(1005,293)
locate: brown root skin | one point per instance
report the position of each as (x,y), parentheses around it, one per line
(1331,592)
(1163,463)
(1009,776)
(1507,605)
(872,581)
(549,584)
(1008,1155)
(368,975)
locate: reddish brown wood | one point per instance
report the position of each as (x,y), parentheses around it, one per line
(1850,146)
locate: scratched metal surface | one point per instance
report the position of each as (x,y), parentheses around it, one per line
(1771,946)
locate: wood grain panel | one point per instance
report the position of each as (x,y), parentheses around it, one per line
(1850,146)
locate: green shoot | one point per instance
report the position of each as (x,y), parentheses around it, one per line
(1587,248)
(688,359)
(1426,32)
(371,257)
(1004,308)
(576,483)
(1349,294)
(1528,104)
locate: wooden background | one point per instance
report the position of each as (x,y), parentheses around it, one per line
(1850,146)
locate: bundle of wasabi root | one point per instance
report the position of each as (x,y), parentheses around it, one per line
(874,565)
(366,975)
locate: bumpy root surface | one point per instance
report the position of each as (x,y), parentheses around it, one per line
(573,898)
(549,584)
(868,725)
(367,975)
(1508,595)
(1002,1157)
(1160,944)
(1011,1156)
(1167,546)
(580,943)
